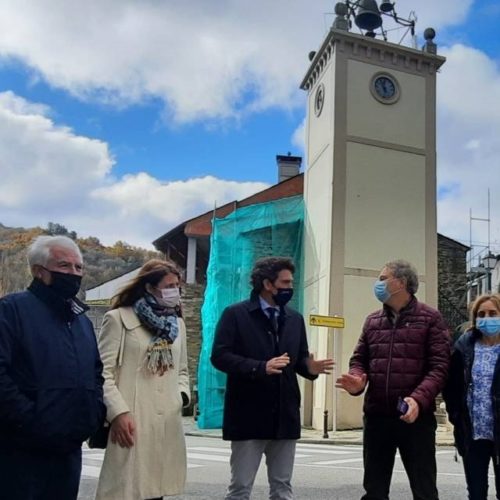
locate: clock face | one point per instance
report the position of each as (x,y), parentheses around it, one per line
(319,99)
(385,88)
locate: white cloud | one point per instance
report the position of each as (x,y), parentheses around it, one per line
(171,202)
(44,165)
(205,60)
(11,103)
(140,207)
(299,136)
(469,144)
(51,174)
(434,14)
(473,144)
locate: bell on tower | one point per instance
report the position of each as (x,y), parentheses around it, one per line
(386,6)
(368,17)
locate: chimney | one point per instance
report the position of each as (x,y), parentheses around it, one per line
(288,166)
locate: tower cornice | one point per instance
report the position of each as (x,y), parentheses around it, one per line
(365,48)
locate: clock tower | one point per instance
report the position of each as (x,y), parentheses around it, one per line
(370,187)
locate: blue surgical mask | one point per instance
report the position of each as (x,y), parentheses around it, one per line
(380,290)
(489,326)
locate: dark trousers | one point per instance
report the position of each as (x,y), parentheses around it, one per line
(416,442)
(476,465)
(28,475)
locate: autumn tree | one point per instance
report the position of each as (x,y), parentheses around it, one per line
(101,263)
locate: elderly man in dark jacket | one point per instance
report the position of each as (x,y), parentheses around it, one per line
(261,344)
(403,355)
(51,396)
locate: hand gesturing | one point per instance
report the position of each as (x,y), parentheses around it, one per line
(353,384)
(318,366)
(275,365)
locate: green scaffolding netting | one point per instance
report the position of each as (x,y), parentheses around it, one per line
(238,240)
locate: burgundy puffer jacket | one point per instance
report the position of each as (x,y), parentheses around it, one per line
(409,358)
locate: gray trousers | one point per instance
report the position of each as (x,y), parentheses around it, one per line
(245,461)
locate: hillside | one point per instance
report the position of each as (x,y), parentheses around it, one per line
(101,262)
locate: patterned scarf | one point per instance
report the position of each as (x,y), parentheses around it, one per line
(162,323)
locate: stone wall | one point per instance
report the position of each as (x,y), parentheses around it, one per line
(278,240)
(192,299)
(452,298)
(452,281)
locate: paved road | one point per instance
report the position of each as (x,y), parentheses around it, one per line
(321,472)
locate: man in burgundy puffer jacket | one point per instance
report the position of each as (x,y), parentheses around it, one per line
(402,356)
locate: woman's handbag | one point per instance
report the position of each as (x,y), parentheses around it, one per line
(100,438)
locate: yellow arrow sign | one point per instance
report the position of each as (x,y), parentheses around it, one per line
(328,321)
(98,302)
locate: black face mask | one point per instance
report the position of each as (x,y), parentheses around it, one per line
(283,296)
(64,284)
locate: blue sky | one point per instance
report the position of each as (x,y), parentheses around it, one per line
(140,138)
(121,118)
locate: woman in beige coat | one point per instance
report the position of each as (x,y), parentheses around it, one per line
(143,350)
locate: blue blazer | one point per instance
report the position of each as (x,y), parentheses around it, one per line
(51,395)
(257,405)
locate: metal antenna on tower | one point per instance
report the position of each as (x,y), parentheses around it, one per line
(485,263)
(368,17)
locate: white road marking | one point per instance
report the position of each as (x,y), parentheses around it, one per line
(210,458)
(212,449)
(90,471)
(339,461)
(398,471)
(221,455)
(354,447)
(328,451)
(94,456)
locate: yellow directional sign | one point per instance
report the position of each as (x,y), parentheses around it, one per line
(98,302)
(328,321)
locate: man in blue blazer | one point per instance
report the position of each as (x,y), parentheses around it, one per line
(51,397)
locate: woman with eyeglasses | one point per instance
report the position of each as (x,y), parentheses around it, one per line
(472,396)
(143,350)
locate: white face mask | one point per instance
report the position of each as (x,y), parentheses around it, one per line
(171,296)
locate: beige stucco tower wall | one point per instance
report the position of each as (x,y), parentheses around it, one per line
(370,193)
